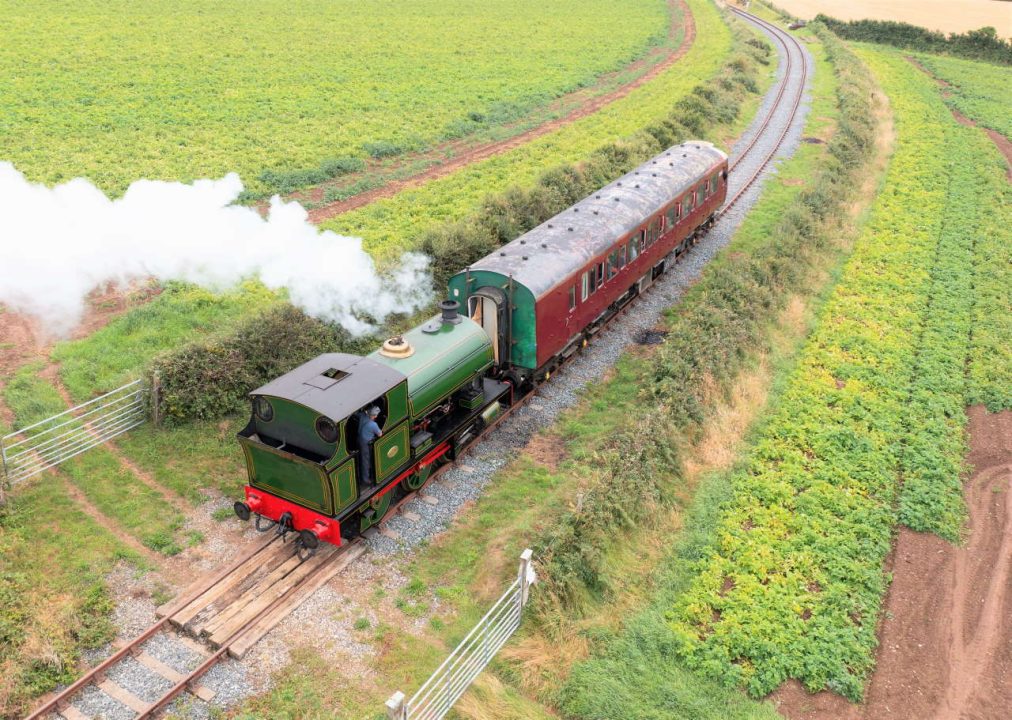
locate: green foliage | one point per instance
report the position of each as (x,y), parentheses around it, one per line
(286,181)
(980,91)
(31,398)
(139,510)
(209,378)
(392,225)
(982,44)
(791,582)
(280,86)
(116,354)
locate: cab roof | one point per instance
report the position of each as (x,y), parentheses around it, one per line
(335,384)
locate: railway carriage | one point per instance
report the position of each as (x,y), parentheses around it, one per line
(527,307)
(542,296)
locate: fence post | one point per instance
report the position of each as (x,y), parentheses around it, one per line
(396,709)
(156,391)
(526,576)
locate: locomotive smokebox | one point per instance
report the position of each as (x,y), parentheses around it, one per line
(449,309)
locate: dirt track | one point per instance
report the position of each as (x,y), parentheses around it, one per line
(475,153)
(946,641)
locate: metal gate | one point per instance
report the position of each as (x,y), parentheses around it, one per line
(47,443)
(436,697)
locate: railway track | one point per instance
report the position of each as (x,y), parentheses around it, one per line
(233,608)
(793,53)
(228,612)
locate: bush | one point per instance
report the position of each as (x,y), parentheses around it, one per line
(210,378)
(382,148)
(982,44)
(286,181)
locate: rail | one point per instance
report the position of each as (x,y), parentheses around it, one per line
(438,694)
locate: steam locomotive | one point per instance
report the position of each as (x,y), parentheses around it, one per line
(527,308)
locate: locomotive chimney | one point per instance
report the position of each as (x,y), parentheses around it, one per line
(449,309)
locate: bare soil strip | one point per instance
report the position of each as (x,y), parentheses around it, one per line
(1003,144)
(481,152)
(946,640)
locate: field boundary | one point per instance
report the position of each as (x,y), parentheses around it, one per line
(491,149)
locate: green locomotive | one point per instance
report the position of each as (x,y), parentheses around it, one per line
(433,394)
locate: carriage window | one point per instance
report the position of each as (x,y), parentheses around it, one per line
(713,183)
(612,264)
(600,274)
(688,203)
(644,241)
(634,249)
(621,257)
(572,297)
(585,285)
(700,194)
(663,223)
(671,216)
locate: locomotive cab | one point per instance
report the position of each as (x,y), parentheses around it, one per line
(301,443)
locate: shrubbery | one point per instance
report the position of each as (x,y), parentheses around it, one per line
(982,44)
(208,378)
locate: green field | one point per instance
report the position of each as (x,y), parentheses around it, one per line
(979,90)
(392,225)
(869,429)
(116,90)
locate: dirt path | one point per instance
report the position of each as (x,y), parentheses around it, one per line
(475,153)
(945,648)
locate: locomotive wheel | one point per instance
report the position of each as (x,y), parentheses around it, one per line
(374,513)
(415,480)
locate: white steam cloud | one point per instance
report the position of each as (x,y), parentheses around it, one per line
(58,244)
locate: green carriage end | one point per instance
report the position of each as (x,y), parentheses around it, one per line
(523,343)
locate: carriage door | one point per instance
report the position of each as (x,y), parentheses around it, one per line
(487,307)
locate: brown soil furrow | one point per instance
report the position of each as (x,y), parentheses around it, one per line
(945,644)
(981,577)
(1001,142)
(481,152)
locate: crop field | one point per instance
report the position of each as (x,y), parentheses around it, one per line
(393,225)
(116,91)
(981,91)
(869,430)
(137,513)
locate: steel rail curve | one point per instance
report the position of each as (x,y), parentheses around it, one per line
(784,37)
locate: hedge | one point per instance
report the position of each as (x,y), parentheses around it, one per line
(982,44)
(207,378)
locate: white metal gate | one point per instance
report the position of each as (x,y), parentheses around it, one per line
(436,697)
(49,442)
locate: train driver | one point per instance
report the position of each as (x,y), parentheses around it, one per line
(368,430)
